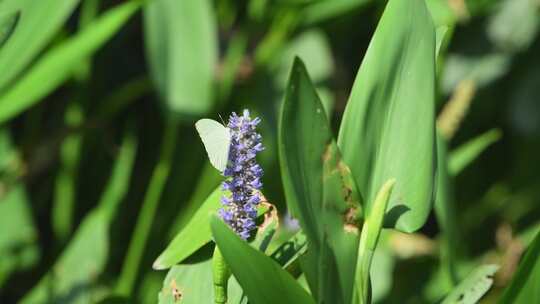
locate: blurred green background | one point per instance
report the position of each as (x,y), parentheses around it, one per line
(98,101)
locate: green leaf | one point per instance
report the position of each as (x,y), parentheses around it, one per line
(181,45)
(8,22)
(38,23)
(58,64)
(77,270)
(193,282)
(464,155)
(441,12)
(388,126)
(440,35)
(473,287)
(78,267)
(261,278)
(319,189)
(193,236)
(524,285)
(18,248)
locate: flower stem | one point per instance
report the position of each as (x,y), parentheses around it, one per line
(368,241)
(221,275)
(161,171)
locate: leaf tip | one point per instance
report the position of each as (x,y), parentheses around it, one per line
(158,264)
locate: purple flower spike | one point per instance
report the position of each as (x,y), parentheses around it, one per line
(243,175)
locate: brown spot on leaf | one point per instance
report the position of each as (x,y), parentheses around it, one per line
(176,293)
(270,215)
(327,153)
(350,220)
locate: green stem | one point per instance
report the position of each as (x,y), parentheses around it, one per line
(70,150)
(221,275)
(66,180)
(368,241)
(158,180)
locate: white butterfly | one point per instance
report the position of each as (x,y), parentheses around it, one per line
(217,140)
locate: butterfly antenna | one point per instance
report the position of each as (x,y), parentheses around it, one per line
(222,119)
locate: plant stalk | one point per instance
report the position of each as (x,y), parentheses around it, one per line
(143,226)
(221,275)
(368,241)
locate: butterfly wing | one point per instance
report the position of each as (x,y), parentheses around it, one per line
(216,139)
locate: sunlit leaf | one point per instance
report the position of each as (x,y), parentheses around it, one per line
(473,287)
(388,128)
(261,278)
(8,22)
(58,64)
(39,21)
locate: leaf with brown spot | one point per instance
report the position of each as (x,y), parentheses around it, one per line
(320,191)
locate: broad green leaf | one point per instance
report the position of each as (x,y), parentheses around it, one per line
(465,154)
(78,268)
(441,12)
(58,64)
(319,189)
(388,126)
(181,46)
(8,22)
(196,233)
(525,284)
(188,284)
(193,236)
(473,287)
(192,282)
(261,278)
(39,21)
